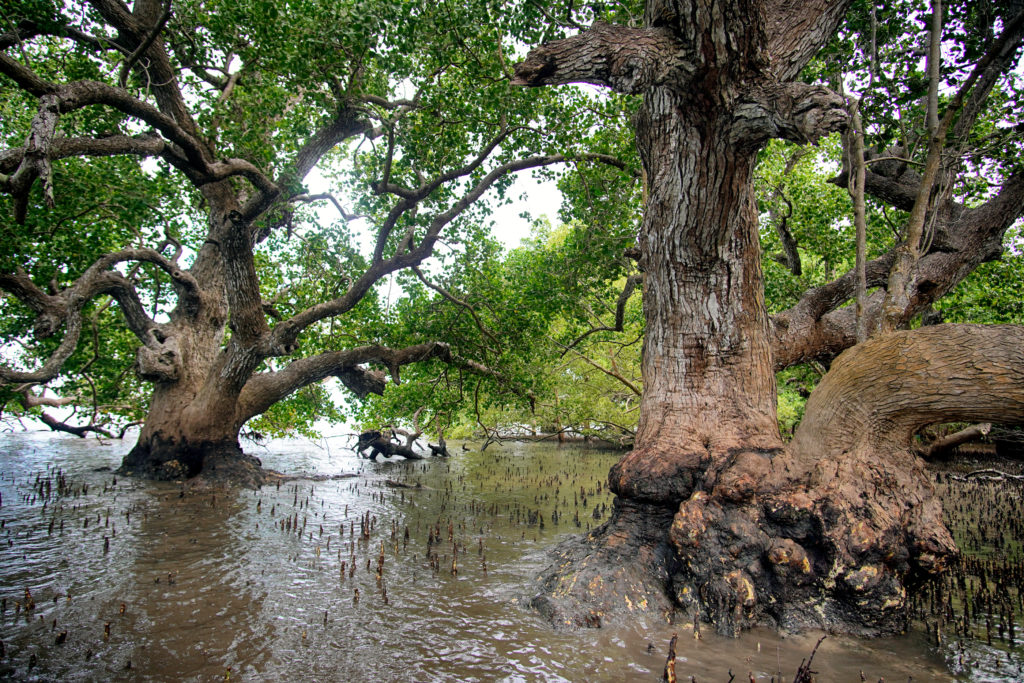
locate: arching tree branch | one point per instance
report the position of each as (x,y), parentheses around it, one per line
(628,60)
(263,390)
(65,308)
(51,367)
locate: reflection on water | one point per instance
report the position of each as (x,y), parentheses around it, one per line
(404,571)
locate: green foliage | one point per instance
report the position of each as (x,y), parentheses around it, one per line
(529,314)
(992,293)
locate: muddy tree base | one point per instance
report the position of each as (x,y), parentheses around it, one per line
(786,561)
(211,462)
(826,533)
(618,571)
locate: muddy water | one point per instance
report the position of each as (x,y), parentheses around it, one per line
(315,580)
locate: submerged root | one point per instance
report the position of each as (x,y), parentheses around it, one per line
(618,571)
(207,463)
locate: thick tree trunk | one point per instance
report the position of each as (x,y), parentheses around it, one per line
(708,410)
(713,513)
(193,421)
(709,387)
(184,437)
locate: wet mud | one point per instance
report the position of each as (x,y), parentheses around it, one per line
(362,571)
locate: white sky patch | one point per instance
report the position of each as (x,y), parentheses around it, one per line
(528,194)
(539,198)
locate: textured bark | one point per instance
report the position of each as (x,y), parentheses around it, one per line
(835,527)
(709,391)
(707,417)
(825,532)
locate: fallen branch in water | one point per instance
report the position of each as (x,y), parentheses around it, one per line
(804,673)
(988,475)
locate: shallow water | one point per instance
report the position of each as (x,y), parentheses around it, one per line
(148,583)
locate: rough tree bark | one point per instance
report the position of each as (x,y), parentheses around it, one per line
(834,527)
(712,512)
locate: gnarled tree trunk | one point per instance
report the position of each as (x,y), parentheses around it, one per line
(846,517)
(708,417)
(713,513)
(193,421)
(709,386)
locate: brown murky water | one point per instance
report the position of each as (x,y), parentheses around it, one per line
(316,580)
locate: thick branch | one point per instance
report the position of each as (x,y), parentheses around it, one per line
(35,161)
(197,163)
(58,426)
(30,400)
(134,31)
(49,309)
(65,308)
(628,60)
(264,390)
(795,111)
(816,328)
(797,29)
(146,43)
(147,145)
(90,282)
(51,368)
(945,373)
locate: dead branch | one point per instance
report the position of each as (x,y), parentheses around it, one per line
(415,433)
(620,312)
(81,432)
(30,400)
(951,441)
(804,673)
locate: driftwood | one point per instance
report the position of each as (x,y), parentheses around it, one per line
(951,441)
(384,443)
(401,485)
(441,449)
(989,475)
